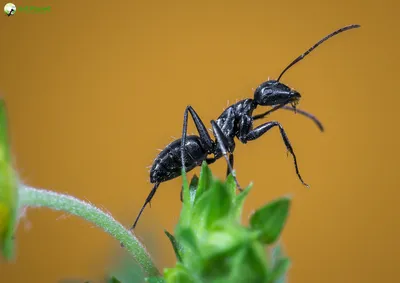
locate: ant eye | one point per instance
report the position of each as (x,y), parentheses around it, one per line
(266,90)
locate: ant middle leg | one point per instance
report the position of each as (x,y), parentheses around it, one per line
(262,129)
(231,159)
(222,142)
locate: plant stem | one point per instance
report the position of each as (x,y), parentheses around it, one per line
(31,197)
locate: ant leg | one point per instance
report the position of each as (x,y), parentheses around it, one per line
(222,141)
(209,161)
(205,139)
(296,110)
(260,130)
(266,113)
(306,114)
(148,199)
(231,159)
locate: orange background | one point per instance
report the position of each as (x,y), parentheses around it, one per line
(94,89)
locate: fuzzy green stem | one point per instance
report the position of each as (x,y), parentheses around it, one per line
(31,197)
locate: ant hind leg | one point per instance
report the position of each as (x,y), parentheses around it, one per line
(148,200)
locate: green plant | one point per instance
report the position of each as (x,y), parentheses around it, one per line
(211,244)
(209,241)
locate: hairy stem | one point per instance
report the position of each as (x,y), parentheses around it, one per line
(31,197)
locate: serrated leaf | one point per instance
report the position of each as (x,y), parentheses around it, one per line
(205,180)
(270,220)
(239,202)
(178,249)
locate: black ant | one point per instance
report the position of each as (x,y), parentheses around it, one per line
(235,121)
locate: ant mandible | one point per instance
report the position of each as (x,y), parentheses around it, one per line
(236,121)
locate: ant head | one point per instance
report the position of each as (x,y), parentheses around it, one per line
(274,92)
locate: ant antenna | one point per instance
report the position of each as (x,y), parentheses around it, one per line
(315,46)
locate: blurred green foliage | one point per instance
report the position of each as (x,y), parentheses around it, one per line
(8,190)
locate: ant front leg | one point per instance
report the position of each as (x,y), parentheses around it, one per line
(306,114)
(296,110)
(222,141)
(246,136)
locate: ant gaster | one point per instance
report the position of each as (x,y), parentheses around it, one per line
(236,121)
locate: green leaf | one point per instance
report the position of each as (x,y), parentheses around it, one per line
(155,280)
(178,249)
(188,239)
(224,241)
(205,180)
(214,205)
(231,187)
(250,264)
(192,256)
(192,189)
(178,274)
(220,203)
(270,220)
(279,270)
(239,202)
(185,216)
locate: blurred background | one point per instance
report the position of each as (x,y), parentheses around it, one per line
(93,90)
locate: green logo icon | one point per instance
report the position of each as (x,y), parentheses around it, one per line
(10,9)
